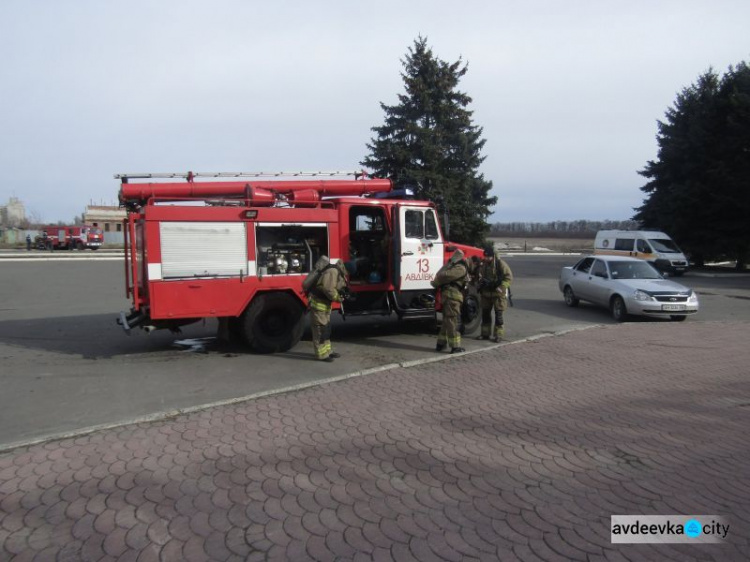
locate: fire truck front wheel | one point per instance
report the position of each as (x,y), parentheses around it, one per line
(272,323)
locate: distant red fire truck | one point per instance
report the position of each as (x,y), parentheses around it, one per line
(239,250)
(70,238)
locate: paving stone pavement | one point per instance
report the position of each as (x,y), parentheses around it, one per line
(521,452)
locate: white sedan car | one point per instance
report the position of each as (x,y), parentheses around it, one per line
(626,286)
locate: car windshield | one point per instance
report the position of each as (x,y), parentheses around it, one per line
(664,245)
(632,270)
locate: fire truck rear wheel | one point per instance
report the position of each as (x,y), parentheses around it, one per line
(273,323)
(236,334)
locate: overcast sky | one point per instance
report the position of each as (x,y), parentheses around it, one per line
(568,92)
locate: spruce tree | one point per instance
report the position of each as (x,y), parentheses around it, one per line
(429,139)
(699,187)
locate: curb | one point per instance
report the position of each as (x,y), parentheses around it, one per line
(737,275)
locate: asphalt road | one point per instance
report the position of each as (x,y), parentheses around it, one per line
(66,365)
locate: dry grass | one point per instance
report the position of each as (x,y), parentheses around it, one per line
(506,244)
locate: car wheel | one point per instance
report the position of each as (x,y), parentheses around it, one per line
(677,318)
(619,312)
(570,297)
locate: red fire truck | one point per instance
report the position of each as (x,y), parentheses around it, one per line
(239,250)
(69,238)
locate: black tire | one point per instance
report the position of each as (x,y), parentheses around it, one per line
(273,322)
(471,313)
(619,312)
(234,327)
(678,318)
(570,297)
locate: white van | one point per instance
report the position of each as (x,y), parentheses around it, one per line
(655,247)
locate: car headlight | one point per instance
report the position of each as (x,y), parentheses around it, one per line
(692,297)
(641,295)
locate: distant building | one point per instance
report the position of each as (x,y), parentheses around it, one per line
(13,214)
(108,218)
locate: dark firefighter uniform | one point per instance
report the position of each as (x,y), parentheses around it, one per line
(495,278)
(451,280)
(327,290)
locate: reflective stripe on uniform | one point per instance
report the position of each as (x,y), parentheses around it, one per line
(323,350)
(319,305)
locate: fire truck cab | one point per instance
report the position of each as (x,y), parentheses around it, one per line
(238,251)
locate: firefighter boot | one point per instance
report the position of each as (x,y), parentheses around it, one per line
(334,355)
(457,350)
(499,333)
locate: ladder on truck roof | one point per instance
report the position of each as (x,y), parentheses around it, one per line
(262,192)
(190,175)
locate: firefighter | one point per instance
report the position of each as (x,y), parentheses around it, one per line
(495,278)
(330,287)
(451,280)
